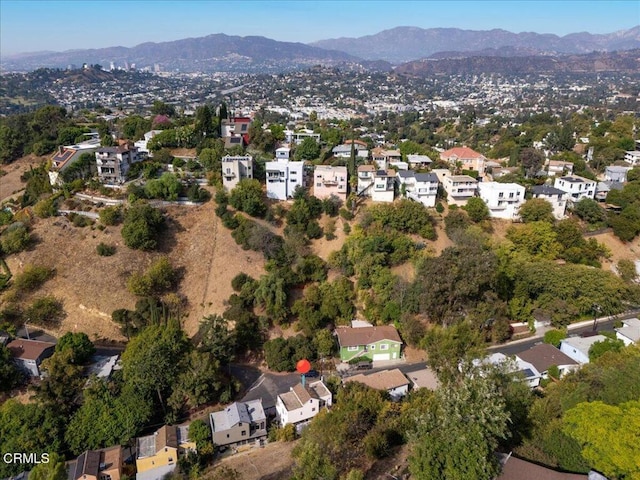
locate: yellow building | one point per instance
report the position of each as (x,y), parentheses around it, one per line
(158,453)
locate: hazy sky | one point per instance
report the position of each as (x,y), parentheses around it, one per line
(35,25)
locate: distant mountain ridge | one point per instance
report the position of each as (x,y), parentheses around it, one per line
(403,44)
(218,52)
(623,61)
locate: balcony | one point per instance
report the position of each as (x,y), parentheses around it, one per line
(229,175)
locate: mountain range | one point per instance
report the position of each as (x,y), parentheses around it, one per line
(404,44)
(252,54)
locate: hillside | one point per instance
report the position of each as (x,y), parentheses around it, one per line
(212,53)
(403,44)
(91,286)
(624,61)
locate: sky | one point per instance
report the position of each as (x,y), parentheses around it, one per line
(37,25)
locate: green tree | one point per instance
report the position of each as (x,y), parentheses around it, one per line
(247,197)
(158,279)
(536,210)
(590,211)
(15,238)
(531,161)
(200,434)
(142,225)
(554,337)
(600,348)
(54,469)
(79,344)
(608,435)
(271,293)
(312,464)
(627,270)
(536,239)
(62,385)
(476,209)
(307,150)
(167,187)
(111,215)
(10,376)
(457,437)
(152,360)
(217,338)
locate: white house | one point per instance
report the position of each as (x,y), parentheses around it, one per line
(114,162)
(614,173)
(298,137)
(559,168)
(302,403)
(502,199)
(382,158)
(383,189)
(365,179)
(283,177)
(578,347)
(543,356)
(283,153)
(391,381)
(576,187)
(629,333)
(555,196)
(632,157)
(236,168)
(142,145)
(344,151)
(525,370)
(421,187)
(459,188)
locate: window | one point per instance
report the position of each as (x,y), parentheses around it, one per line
(384,346)
(244,433)
(372,347)
(352,349)
(318,184)
(501,195)
(227,435)
(510,194)
(170,460)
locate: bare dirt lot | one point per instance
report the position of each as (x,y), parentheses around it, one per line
(274,461)
(91,286)
(10,183)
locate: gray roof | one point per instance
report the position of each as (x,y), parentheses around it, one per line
(156,473)
(617,169)
(427,177)
(245,412)
(418,159)
(546,190)
(406,173)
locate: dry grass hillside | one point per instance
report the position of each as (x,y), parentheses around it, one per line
(91,286)
(10,183)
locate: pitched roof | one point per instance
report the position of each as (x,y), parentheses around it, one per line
(461,152)
(353,337)
(413,158)
(245,412)
(28,349)
(517,469)
(166,436)
(426,177)
(543,356)
(630,329)
(383,380)
(92,462)
(366,168)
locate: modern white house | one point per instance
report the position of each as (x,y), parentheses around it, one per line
(328,180)
(236,168)
(344,150)
(421,187)
(391,381)
(383,189)
(576,187)
(629,333)
(459,188)
(283,153)
(365,179)
(555,196)
(502,199)
(524,370)
(302,402)
(283,177)
(632,157)
(578,347)
(142,145)
(298,137)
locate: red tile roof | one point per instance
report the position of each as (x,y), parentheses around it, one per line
(461,152)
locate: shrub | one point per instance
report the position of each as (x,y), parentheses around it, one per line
(346,228)
(79,343)
(239,281)
(439,208)
(31,278)
(554,337)
(105,250)
(111,215)
(158,278)
(46,208)
(15,238)
(627,270)
(45,311)
(142,224)
(80,220)
(346,214)
(247,197)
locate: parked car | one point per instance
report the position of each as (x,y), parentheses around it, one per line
(364,366)
(312,374)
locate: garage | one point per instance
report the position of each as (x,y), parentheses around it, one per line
(381,356)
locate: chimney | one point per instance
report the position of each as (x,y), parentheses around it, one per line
(60,150)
